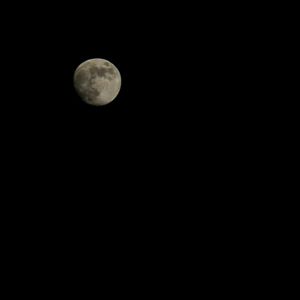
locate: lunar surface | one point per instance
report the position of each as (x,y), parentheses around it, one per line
(97,81)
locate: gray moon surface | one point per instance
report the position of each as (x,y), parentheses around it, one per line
(97,81)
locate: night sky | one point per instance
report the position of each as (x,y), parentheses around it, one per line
(146,191)
(180,108)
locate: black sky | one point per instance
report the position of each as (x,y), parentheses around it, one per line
(145,192)
(146,179)
(181,104)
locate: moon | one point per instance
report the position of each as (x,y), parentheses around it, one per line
(97,81)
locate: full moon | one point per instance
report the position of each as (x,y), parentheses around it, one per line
(97,81)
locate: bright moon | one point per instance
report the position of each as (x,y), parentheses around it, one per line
(97,81)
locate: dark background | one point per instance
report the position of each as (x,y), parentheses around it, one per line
(166,171)
(179,121)
(186,114)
